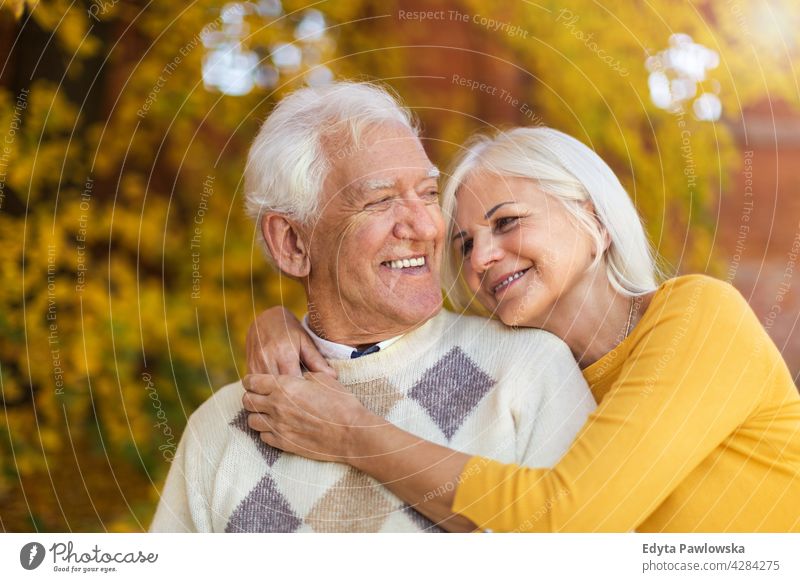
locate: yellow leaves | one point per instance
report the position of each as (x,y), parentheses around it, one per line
(13,391)
(51,440)
(17,7)
(72,33)
(50,110)
(27,464)
(121,525)
(136,310)
(69,22)
(589,62)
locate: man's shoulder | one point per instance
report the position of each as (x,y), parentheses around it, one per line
(516,343)
(220,409)
(460,325)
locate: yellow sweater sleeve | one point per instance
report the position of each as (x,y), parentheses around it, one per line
(688,380)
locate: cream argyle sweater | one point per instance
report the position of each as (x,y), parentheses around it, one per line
(464,382)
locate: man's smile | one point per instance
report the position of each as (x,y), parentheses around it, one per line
(411,262)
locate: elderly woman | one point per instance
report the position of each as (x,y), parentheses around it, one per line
(698,423)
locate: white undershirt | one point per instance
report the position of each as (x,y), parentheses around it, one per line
(333,351)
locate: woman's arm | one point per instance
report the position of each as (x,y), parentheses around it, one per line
(278,344)
(317,418)
(657,423)
(421,473)
(688,383)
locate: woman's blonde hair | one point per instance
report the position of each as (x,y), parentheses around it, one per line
(571,173)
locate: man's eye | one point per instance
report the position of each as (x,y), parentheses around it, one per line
(381,203)
(433,196)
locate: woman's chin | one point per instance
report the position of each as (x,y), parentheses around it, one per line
(512,315)
(523,311)
(514,310)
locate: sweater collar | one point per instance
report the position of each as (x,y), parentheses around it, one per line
(414,347)
(333,351)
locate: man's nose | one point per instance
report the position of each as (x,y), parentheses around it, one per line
(485,252)
(418,220)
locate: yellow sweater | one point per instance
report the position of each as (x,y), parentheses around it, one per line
(697,429)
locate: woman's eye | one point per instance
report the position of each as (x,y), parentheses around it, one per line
(466,247)
(505,222)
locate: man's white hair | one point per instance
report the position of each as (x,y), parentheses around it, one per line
(570,172)
(289,161)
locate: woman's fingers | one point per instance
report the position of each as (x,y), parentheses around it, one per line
(324,380)
(277,344)
(312,359)
(285,334)
(308,416)
(257,360)
(253,402)
(264,365)
(288,362)
(260,422)
(270,439)
(260,383)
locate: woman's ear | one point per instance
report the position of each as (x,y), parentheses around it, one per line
(286,244)
(589,207)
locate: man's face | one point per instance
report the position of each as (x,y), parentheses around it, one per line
(376,248)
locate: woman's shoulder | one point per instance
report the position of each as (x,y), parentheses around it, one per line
(691,301)
(700,290)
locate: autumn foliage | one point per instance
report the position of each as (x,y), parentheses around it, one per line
(129,272)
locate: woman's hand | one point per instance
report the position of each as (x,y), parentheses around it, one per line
(313,416)
(277,344)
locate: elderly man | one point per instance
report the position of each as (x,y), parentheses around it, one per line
(347,203)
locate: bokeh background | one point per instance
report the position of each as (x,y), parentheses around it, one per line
(130,274)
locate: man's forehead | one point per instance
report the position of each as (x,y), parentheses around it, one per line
(385,143)
(387,156)
(359,189)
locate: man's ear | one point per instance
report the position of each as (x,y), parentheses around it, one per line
(286,244)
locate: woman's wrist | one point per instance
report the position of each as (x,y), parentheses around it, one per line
(364,438)
(409,466)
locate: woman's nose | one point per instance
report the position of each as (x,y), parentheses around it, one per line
(485,252)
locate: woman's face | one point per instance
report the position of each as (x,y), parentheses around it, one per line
(523,253)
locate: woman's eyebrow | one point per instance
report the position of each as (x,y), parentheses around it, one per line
(487,216)
(494,208)
(458,235)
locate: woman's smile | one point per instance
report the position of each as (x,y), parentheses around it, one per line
(501,285)
(520,248)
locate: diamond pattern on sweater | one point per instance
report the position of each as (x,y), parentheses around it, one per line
(264,510)
(422,522)
(377,396)
(354,504)
(450,389)
(269,453)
